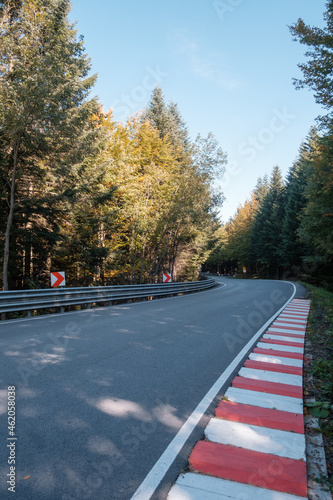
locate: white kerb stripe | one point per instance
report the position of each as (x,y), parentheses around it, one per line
(277,329)
(193,486)
(300,307)
(296,313)
(297,317)
(281,378)
(298,310)
(286,324)
(292,320)
(278,360)
(256,438)
(279,347)
(280,337)
(265,400)
(284,330)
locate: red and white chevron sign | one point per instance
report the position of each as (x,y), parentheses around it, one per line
(58,279)
(167,278)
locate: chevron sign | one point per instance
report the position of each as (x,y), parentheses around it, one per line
(58,279)
(167,278)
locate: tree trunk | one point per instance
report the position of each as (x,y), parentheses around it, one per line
(142,262)
(160,262)
(10,215)
(134,264)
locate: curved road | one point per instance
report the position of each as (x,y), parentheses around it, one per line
(100,394)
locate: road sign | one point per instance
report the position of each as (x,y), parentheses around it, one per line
(58,279)
(167,278)
(244,269)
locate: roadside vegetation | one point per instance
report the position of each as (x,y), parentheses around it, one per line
(121,203)
(318,369)
(285,228)
(104,201)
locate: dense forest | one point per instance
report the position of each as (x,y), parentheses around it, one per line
(285,228)
(106,202)
(114,203)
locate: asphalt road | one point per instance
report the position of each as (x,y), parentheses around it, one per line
(101,393)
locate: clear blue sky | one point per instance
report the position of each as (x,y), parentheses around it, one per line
(228,64)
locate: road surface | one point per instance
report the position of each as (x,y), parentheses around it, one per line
(101,393)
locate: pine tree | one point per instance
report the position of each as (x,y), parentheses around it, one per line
(267,228)
(178,132)
(292,249)
(239,231)
(194,200)
(261,189)
(167,119)
(45,116)
(158,114)
(255,246)
(316,228)
(318,71)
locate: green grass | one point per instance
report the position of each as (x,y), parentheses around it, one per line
(320,297)
(320,334)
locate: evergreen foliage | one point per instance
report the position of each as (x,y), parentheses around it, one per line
(292,248)
(265,238)
(113,203)
(318,71)
(46,129)
(291,233)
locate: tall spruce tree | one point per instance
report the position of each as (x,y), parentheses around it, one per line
(316,228)
(261,189)
(45,115)
(178,131)
(318,71)
(260,192)
(158,113)
(194,200)
(266,234)
(239,231)
(167,119)
(292,249)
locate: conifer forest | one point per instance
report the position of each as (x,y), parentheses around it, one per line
(120,203)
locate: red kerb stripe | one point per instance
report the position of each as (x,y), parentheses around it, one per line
(250,467)
(265,417)
(280,354)
(273,367)
(292,391)
(280,342)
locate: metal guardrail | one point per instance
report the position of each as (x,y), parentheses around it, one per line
(29,300)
